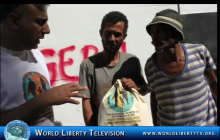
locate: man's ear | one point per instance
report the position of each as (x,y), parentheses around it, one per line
(13,20)
(100,32)
(125,35)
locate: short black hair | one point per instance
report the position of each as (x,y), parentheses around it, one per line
(114,17)
(6,9)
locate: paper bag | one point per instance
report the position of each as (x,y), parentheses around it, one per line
(123,108)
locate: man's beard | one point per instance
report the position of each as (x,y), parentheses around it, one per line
(111,51)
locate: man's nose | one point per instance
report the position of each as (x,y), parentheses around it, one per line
(46,29)
(112,38)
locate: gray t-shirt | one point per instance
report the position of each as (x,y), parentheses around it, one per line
(99,78)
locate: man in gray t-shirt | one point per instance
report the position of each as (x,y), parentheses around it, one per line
(99,72)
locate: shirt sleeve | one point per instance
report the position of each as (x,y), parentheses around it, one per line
(210,65)
(85,80)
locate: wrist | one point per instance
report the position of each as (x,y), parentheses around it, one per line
(46,98)
(138,89)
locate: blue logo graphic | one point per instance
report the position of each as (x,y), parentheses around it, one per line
(17,130)
(120,101)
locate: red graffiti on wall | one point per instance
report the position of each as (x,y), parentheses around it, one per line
(63,63)
(85,50)
(52,66)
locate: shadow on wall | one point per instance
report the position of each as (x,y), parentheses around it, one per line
(201,28)
(57,123)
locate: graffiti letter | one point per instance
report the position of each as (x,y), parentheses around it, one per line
(85,50)
(63,63)
(50,66)
(123,47)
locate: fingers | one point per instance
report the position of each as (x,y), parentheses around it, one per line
(73,101)
(78,88)
(73,84)
(127,83)
(123,79)
(177,45)
(130,85)
(78,95)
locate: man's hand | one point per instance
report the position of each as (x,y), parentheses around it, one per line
(128,83)
(62,94)
(54,96)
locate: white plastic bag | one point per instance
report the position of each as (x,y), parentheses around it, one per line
(129,108)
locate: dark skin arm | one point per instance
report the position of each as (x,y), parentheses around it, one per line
(212,81)
(88,115)
(153,103)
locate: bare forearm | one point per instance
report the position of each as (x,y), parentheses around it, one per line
(91,120)
(25,112)
(88,115)
(212,81)
(154,108)
(154,114)
(213,87)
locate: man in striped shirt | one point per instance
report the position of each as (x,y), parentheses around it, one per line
(182,76)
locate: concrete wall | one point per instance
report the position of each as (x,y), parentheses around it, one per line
(75,36)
